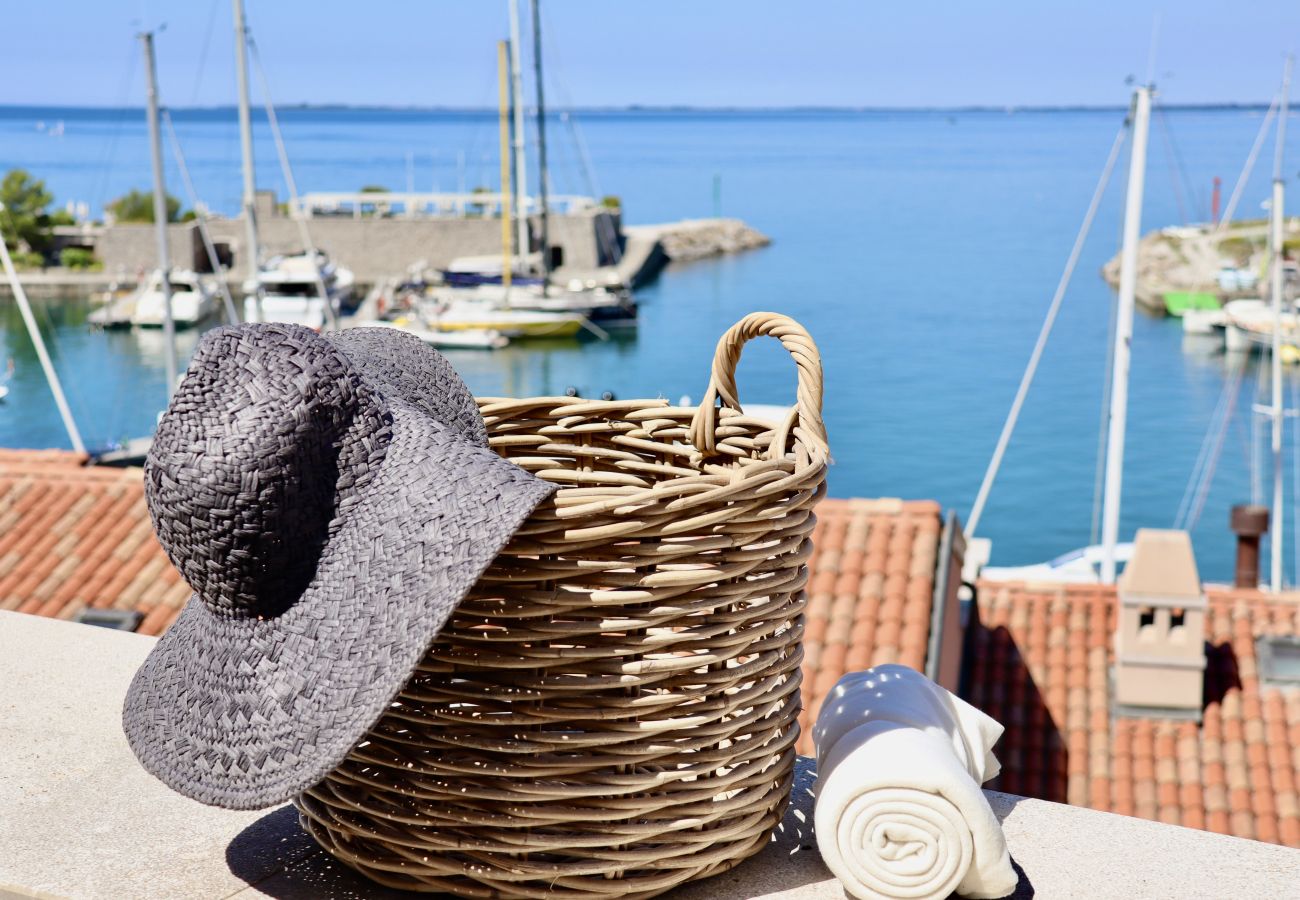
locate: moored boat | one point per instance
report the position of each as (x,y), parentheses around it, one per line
(193,299)
(441,339)
(291,290)
(463,314)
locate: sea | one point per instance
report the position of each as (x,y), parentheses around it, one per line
(920,248)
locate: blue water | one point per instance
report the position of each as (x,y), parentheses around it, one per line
(920,248)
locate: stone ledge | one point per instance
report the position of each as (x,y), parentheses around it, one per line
(79,818)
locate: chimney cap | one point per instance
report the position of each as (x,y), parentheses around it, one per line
(1163,565)
(1249,520)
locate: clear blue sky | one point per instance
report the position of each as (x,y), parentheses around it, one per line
(689,52)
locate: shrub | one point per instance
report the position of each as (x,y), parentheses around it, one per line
(25,259)
(137,206)
(611,201)
(78,258)
(24,223)
(1238,249)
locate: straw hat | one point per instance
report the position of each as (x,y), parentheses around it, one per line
(330,500)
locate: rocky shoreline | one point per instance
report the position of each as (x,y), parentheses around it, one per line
(1190,257)
(693,239)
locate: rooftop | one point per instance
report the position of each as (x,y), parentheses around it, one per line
(869,596)
(1040,663)
(61,716)
(74,536)
(1039,658)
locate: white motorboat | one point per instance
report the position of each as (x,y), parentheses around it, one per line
(1204,321)
(193,299)
(291,290)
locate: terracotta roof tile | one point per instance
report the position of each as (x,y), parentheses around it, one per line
(869,594)
(1041,659)
(74,535)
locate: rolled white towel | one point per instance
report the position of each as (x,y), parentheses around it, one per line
(899,810)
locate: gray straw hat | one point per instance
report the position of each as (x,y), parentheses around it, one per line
(330,500)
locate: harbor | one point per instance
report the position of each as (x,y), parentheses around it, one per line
(492,457)
(906,340)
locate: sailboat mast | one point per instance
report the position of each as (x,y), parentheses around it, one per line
(1276,241)
(1124,334)
(246,149)
(160,212)
(51,377)
(521,163)
(503,77)
(541,147)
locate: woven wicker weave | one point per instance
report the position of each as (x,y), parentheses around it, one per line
(612,710)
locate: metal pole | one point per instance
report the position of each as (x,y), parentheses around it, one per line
(160,213)
(51,378)
(304,234)
(1124,334)
(541,148)
(503,55)
(246,148)
(201,219)
(1276,238)
(521,163)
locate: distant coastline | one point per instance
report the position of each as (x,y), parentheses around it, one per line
(647,109)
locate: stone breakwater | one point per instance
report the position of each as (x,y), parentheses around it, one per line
(693,239)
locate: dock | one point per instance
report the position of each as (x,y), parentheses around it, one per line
(596,250)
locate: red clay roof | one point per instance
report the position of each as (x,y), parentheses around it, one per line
(869,595)
(1040,664)
(73,535)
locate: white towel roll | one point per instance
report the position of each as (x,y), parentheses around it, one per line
(899,810)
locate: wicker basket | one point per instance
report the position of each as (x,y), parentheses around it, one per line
(612,711)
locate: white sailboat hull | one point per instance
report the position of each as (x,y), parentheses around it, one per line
(468,339)
(189,307)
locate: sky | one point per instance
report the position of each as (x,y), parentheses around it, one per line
(743,53)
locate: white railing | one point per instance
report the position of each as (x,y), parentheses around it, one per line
(360,204)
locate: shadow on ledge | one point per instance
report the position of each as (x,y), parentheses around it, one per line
(281,860)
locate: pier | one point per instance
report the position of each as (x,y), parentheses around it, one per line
(590,244)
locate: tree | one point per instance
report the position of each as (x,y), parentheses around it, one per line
(24,222)
(137,206)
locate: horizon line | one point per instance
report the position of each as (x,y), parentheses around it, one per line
(661,108)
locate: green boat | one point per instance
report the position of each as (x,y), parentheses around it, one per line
(1179,302)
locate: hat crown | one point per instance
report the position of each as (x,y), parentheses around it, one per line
(266,442)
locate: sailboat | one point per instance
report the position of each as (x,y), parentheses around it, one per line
(519,280)
(1098,563)
(1267,324)
(305,288)
(135,450)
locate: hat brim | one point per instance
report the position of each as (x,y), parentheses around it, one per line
(245,713)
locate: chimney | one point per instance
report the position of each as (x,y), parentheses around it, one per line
(1249,523)
(1160,635)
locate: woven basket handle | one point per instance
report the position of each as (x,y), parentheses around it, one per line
(722,383)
